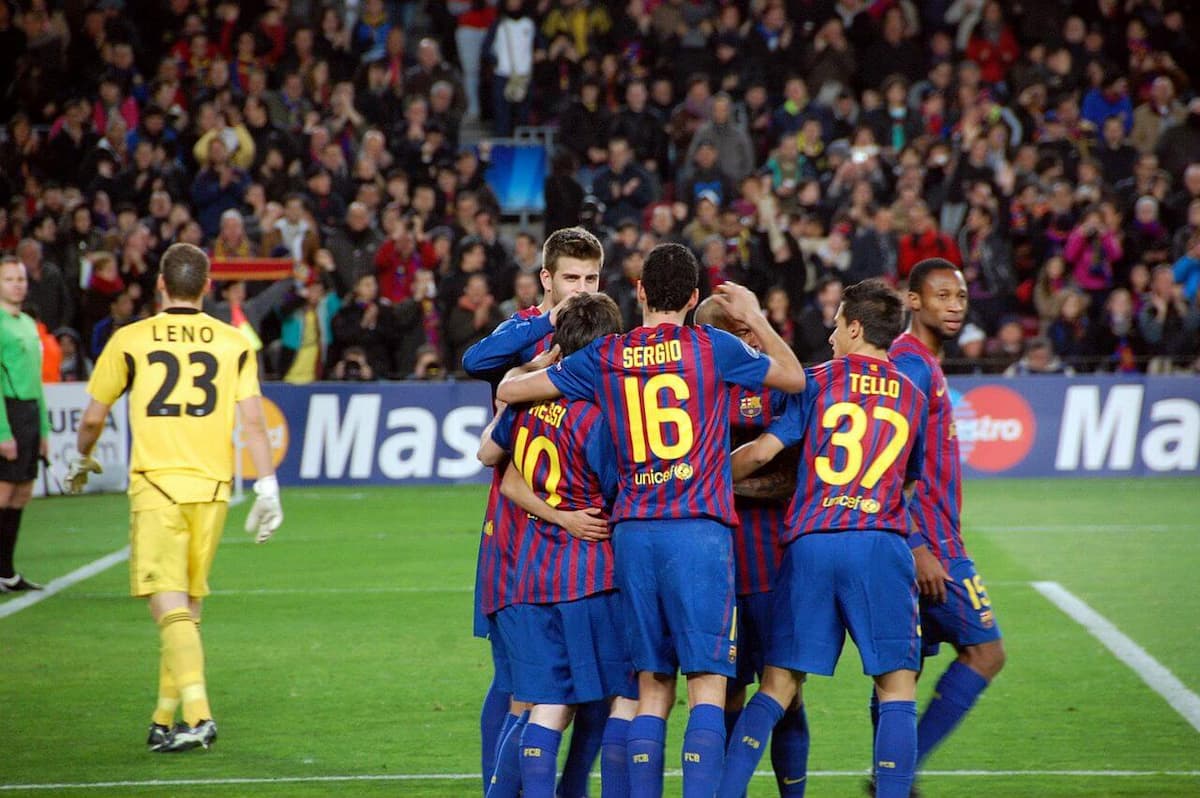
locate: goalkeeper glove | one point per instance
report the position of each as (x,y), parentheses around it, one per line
(77,472)
(266,515)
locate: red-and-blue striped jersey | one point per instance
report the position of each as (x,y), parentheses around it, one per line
(564,451)
(861,426)
(757,550)
(936,507)
(664,395)
(495,571)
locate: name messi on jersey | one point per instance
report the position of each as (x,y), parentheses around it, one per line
(874,386)
(633,357)
(550,412)
(179,334)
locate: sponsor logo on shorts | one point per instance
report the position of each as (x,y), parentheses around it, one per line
(750,406)
(680,471)
(987,619)
(995,427)
(733,654)
(861,503)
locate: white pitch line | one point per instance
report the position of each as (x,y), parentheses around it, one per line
(1150,670)
(13,606)
(305,591)
(1104,528)
(403,777)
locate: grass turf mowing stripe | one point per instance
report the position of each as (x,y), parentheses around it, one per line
(13,606)
(1151,671)
(402,777)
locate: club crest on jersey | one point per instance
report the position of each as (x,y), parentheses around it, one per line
(750,406)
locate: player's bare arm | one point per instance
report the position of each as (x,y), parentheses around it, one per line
(588,524)
(266,515)
(931,574)
(785,372)
(778,485)
(750,457)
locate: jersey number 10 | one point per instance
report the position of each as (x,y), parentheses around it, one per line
(526,454)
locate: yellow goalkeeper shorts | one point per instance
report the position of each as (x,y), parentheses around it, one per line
(171,548)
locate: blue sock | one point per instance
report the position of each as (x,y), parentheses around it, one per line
(506,781)
(539,760)
(647,738)
(510,720)
(703,751)
(789,753)
(614,760)
(587,734)
(895,749)
(749,739)
(492,719)
(953,698)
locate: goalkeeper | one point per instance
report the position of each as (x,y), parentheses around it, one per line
(188,376)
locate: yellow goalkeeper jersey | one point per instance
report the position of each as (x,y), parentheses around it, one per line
(185,373)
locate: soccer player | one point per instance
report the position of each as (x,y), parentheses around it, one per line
(861,426)
(761,502)
(189,377)
(563,630)
(663,390)
(955,607)
(24,422)
(571,259)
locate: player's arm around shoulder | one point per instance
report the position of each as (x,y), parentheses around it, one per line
(750,457)
(531,382)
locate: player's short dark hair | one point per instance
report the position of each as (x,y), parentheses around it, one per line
(184,270)
(920,273)
(874,305)
(570,242)
(584,318)
(669,277)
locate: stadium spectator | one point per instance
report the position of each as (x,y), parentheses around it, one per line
(367,323)
(120,313)
(924,240)
(1039,358)
(1092,250)
(527,292)
(1168,323)
(305,314)
(48,290)
(623,186)
(1160,111)
(471,319)
(817,322)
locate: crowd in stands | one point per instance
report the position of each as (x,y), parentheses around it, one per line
(1050,148)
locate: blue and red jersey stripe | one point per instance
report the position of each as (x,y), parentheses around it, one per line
(664,395)
(757,550)
(861,426)
(936,508)
(557,446)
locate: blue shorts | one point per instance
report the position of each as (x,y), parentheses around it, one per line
(753,631)
(569,653)
(501,665)
(676,583)
(965,618)
(861,582)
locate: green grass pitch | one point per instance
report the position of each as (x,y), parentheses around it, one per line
(343,649)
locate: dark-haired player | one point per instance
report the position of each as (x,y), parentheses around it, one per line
(761,503)
(663,389)
(563,631)
(571,258)
(189,378)
(847,568)
(955,607)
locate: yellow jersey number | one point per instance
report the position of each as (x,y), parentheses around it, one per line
(851,441)
(526,454)
(159,407)
(648,418)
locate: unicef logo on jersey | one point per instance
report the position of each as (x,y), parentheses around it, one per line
(680,471)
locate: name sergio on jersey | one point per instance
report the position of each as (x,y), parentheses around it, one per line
(680,471)
(862,503)
(633,357)
(874,386)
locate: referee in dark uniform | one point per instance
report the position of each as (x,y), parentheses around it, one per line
(24,422)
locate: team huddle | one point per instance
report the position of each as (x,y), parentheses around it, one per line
(689,498)
(671,499)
